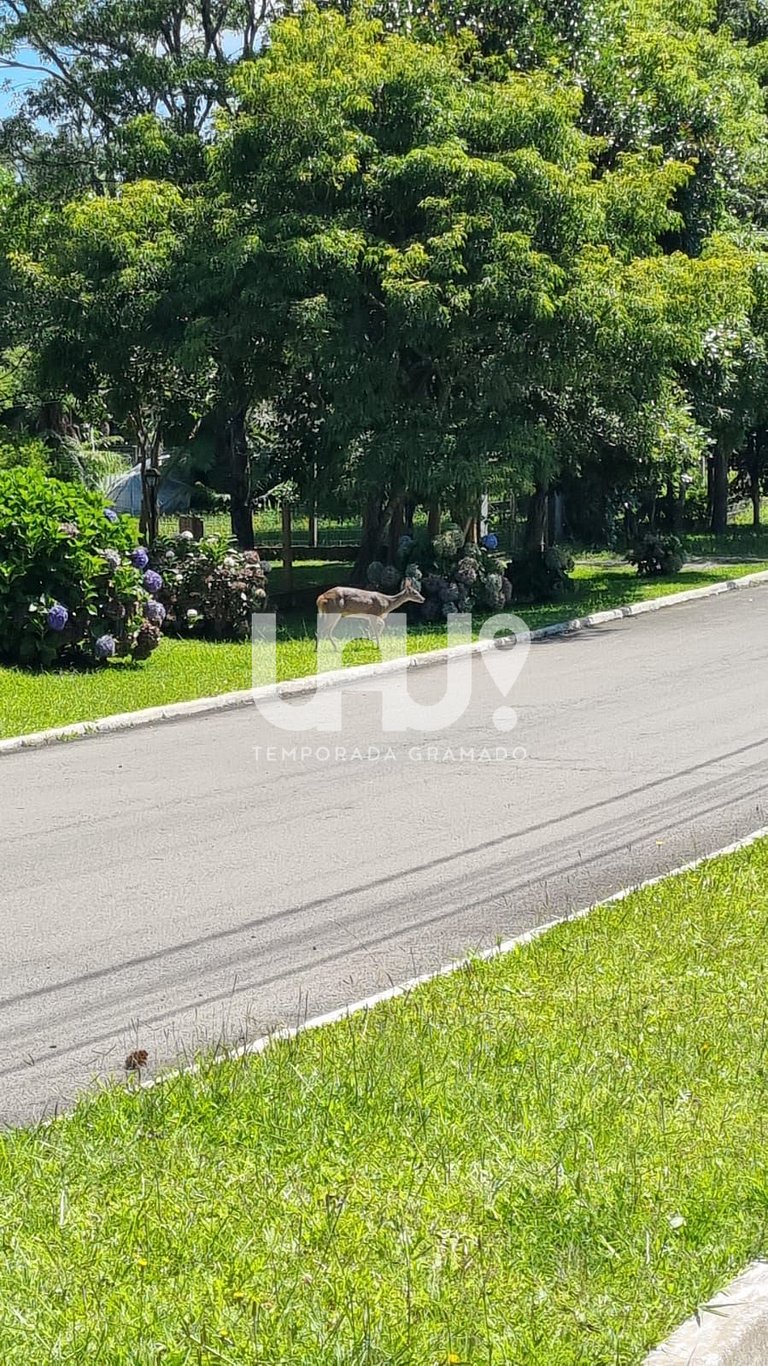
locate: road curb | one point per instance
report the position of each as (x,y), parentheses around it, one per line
(731,1330)
(500,950)
(301,687)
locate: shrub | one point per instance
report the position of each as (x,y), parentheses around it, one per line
(453,577)
(208,586)
(656,556)
(68,589)
(18,451)
(541,575)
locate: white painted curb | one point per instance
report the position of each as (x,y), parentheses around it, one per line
(731,1330)
(299,687)
(499,950)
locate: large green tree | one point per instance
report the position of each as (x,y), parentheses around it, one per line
(467,242)
(453,269)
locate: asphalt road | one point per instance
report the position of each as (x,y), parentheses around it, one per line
(189,883)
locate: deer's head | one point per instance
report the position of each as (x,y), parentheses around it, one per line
(411,592)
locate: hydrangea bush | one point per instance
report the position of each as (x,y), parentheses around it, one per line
(207,586)
(69,591)
(453,576)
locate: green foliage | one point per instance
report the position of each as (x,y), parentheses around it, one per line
(19,451)
(657,556)
(96,278)
(440,243)
(209,587)
(541,575)
(68,588)
(455,270)
(94,466)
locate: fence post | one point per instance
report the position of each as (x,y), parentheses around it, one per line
(313,526)
(193,524)
(288,546)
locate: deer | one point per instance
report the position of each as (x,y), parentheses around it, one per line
(365,604)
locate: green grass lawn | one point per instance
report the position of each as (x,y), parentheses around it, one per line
(180,670)
(268,527)
(309,574)
(737,541)
(549,1159)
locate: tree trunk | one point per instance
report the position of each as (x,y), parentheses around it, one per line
(678,510)
(536,525)
(674,502)
(435,521)
(396,530)
(554,517)
(238,464)
(313,526)
(54,421)
(720,461)
(755,461)
(370,543)
(148,444)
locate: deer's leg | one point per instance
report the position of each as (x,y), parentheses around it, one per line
(366,620)
(333,620)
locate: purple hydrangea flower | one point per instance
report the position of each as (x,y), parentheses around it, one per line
(58,616)
(139,557)
(112,558)
(105,647)
(152,581)
(491,542)
(154,612)
(111,515)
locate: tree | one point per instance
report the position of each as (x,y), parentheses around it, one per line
(731,388)
(95,278)
(120,89)
(453,271)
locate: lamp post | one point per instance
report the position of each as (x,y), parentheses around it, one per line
(151,481)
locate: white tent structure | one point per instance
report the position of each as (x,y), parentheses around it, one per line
(173,495)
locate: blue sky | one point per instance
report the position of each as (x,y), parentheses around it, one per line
(14,83)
